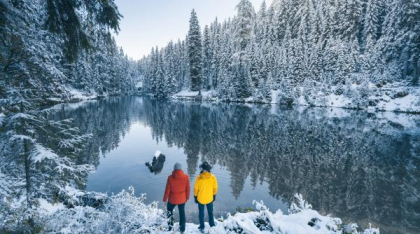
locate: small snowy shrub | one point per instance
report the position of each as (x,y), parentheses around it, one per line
(300,206)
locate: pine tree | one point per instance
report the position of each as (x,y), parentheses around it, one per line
(207,59)
(216,55)
(371,24)
(243,36)
(195,53)
(170,69)
(161,92)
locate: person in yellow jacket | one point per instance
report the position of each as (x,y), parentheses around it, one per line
(205,191)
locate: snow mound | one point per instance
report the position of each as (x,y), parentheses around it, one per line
(157,153)
(186,93)
(193,95)
(126,213)
(77,95)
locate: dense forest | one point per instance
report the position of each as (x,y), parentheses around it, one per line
(297,52)
(54,51)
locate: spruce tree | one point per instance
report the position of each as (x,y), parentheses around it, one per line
(371,24)
(195,53)
(243,36)
(207,59)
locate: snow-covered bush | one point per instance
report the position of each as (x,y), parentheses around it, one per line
(122,213)
(30,170)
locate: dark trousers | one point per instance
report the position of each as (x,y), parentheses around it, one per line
(201,214)
(181,208)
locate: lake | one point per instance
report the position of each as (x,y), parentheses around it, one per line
(359,166)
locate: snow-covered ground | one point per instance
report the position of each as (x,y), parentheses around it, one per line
(192,95)
(125,213)
(77,95)
(367,97)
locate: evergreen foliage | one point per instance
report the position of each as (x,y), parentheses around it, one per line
(52,51)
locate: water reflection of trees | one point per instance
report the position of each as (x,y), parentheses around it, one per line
(107,120)
(360,166)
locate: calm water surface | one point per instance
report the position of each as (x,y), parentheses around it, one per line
(361,167)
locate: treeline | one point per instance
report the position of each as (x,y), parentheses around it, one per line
(51,51)
(298,47)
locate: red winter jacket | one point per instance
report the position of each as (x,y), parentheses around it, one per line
(177,188)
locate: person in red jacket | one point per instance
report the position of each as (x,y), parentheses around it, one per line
(177,193)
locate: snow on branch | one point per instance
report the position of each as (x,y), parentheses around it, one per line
(300,206)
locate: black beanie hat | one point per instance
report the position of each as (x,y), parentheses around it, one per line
(205,166)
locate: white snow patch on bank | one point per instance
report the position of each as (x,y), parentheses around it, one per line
(79,95)
(186,93)
(157,153)
(48,208)
(210,95)
(338,101)
(275,96)
(302,102)
(139,84)
(409,103)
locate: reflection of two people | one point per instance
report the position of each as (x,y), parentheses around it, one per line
(177,193)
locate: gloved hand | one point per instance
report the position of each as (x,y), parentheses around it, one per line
(195,199)
(214,198)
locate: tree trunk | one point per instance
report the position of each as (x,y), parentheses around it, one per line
(416,72)
(28,180)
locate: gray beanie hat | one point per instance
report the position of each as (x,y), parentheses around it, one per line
(177,166)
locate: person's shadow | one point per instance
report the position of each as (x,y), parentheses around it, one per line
(156,165)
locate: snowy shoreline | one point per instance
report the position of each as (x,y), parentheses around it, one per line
(397,100)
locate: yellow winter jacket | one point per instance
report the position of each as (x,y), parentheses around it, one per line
(205,187)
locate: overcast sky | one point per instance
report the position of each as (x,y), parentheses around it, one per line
(149,23)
